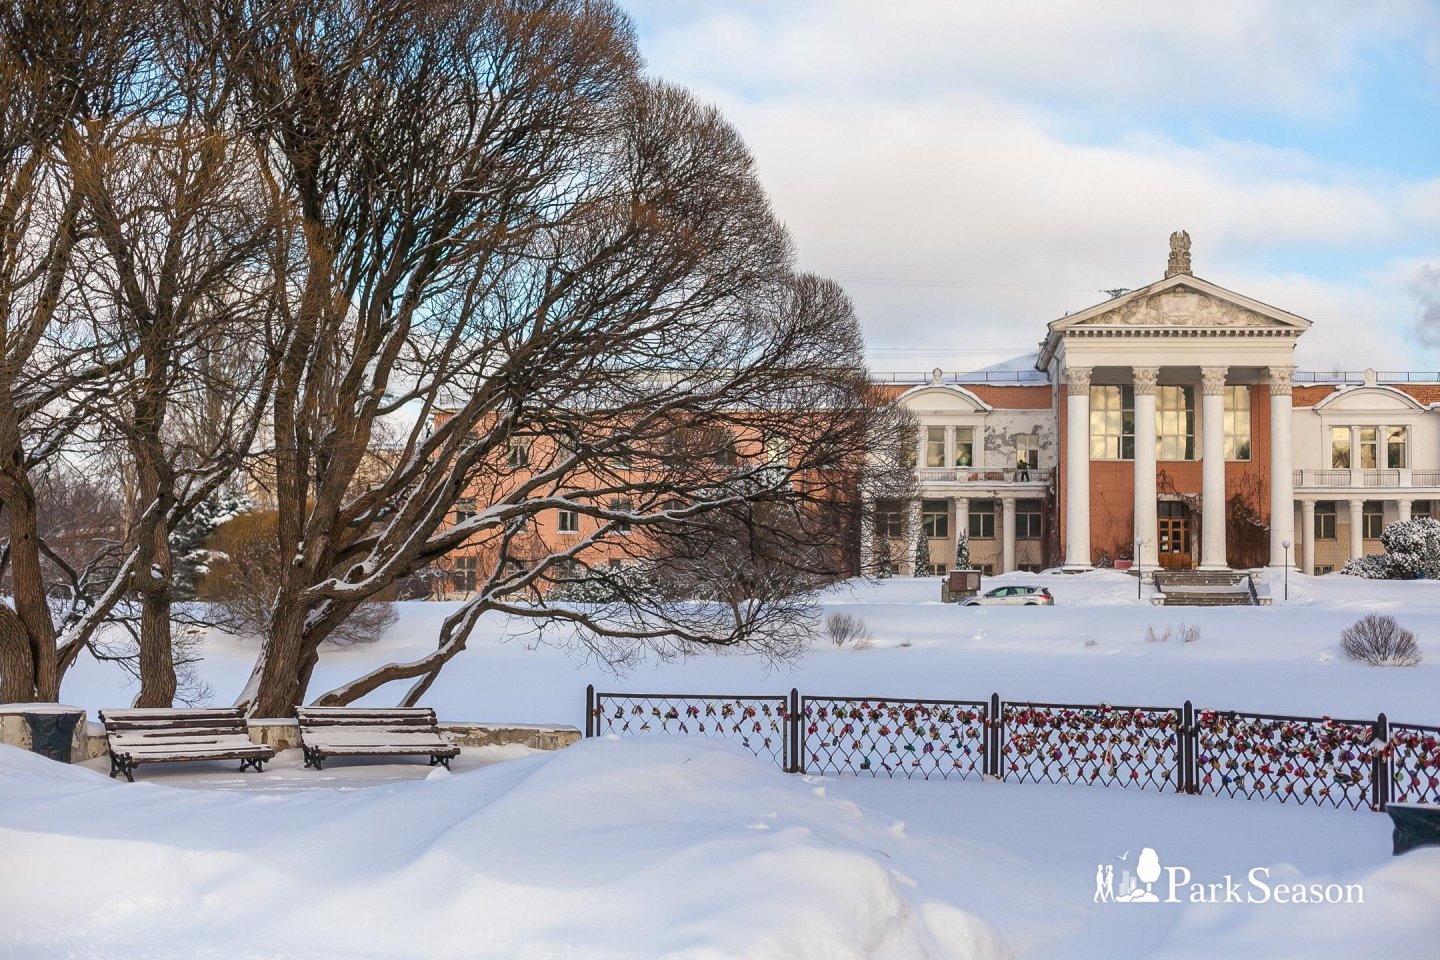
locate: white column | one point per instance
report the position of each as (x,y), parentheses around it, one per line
(1357,529)
(1007,534)
(1307,536)
(1282,470)
(867,537)
(1212,504)
(1147,550)
(1402,509)
(962,520)
(1077,468)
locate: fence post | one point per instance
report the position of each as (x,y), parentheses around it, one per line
(1380,765)
(797,734)
(589,710)
(993,764)
(1186,742)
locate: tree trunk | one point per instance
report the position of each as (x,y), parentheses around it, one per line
(277,686)
(17,667)
(32,611)
(153,578)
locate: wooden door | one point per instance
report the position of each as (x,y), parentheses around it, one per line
(1174,531)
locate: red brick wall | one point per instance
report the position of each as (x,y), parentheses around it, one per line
(1112,482)
(1421,392)
(1026,397)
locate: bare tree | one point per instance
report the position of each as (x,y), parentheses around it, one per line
(504,230)
(63,66)
(174,286)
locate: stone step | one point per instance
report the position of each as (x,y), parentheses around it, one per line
(1208,600)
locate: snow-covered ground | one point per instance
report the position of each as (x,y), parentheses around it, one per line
(688,848)
(1090,647)
(675,848)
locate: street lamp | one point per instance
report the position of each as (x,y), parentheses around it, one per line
(1140,546)
(1286,545)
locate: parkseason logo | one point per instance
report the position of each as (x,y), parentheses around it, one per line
(1154,882)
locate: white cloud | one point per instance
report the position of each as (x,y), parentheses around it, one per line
(932,142)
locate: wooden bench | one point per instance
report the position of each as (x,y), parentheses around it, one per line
(327,732)
(167,736)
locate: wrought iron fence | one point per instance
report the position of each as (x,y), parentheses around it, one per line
(1314,761)
(1104,745)
(931,739)
(760,724)
(1304,760)
(1414,759)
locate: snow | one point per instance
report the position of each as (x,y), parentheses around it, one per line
(668,848)
(1283,658)
(661,847)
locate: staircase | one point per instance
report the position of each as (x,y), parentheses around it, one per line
(1205,588)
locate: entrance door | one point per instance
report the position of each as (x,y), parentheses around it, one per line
(1174,530)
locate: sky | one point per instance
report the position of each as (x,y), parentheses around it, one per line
(972,171)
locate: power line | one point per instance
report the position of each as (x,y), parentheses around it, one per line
(961,284)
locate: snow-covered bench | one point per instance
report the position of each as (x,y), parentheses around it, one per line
(327,732)
(166,736)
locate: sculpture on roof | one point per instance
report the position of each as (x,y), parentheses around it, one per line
(1179,254)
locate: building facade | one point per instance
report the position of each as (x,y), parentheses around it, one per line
(1168,427)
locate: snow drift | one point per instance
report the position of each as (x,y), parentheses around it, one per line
(634,849)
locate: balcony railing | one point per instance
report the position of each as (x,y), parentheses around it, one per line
(1367,478)
(979,475)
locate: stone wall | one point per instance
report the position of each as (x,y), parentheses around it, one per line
(89,738)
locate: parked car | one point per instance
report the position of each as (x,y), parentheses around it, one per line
(1015,596)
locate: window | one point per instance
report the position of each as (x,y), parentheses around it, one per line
(1372,518)
(1321,570)
(964,446)
(935,518)
(986,569)
(938,569)
(1369,442)
(729,454)
(1112,423)
(565,448)
(1395,442)
(982,520)
(1027,454)
(1422,510)
(615,563)
(777,452)
(1325,520)
(622,506)
(464,576)
(519,453)
(1339,448)
(1027,520)
(569,521)
(1175,423)
(464,510)
(934,446)
(889,520)
(1237,423)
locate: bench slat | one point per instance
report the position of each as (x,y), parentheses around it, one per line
(381,750)
(361,731)
(163,735)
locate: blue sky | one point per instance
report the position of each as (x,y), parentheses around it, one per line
(972,171)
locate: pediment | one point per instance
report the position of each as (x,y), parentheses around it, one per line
(943,399)
(1182,301)
(1377,400)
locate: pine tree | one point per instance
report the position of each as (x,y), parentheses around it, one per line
(962,551)
(188,539)
(922,558)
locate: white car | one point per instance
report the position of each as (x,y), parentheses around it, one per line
(1012,596)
